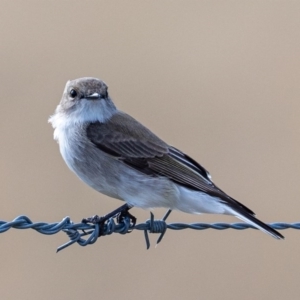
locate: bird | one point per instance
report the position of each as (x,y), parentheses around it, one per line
(118,156)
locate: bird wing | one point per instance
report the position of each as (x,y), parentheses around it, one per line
(124,137)
(127,140)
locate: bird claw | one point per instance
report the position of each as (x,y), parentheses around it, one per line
(96,220)
(93,220)
(119,214)
(122,215)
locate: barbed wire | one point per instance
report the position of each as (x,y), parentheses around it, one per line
(76,231)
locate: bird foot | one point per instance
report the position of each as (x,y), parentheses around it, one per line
(119,214)
(123,214)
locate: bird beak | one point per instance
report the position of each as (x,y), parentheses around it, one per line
(94,96)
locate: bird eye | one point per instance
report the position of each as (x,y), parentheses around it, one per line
(73,93)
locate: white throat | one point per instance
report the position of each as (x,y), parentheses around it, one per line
(86,111)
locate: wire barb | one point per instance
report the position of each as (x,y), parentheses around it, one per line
(77,232)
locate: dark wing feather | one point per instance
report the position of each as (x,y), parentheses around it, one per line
(189,162)
(124,137)
(129,141)
(181,172)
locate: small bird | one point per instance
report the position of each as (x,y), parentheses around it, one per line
(119,157)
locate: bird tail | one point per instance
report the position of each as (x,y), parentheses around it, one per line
(250,219)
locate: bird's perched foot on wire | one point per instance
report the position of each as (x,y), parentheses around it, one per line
(119,214)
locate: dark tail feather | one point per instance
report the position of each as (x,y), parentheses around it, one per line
(250,219)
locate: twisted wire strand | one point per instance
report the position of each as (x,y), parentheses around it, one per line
(76,231)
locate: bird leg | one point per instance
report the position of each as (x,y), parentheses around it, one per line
(125,213)
(120,213)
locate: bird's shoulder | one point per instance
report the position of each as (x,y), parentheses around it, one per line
(125,136)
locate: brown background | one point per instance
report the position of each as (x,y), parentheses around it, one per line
(217,79)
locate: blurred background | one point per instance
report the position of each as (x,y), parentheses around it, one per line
(217,79)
